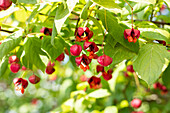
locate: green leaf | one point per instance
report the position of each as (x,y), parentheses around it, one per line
(10,43)
(116,30)
(62,13)
(145,1)
(155,34)
(34,12)
(33,50)
(137,7)
(3,66)
(118,53)
(84,14)
(109,5)
(151,61)
(100,93)
(52,51)
(27,1)
(111,109)
(166,76)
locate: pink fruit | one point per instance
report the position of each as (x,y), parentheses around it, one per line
(12,59)
(60,57)
(75,50)
(24,68)
(34,79)
(50,68)
(104,60)
(130,68)
(15,67)
(5,4)
(136,103)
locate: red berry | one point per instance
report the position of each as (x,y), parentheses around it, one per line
(12,59)
(80,31)
(136,103)
(130,68)
(106,76)
(5,4)
(24,83)
(99,68)
(60,57)
(131,34)
(137,112)
(157,85)
(50,68)
(75,50)
(126,74)
(110,71)
(17,81)
(94,82)
(15,67)
(104,60)
(46,31)
(24,68)
(34,79)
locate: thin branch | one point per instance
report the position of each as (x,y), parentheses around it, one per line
(131,10)
(156,22)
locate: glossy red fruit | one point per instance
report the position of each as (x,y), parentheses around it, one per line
(91,45)
(99,68)
(130,68)
(12,59)
(137,112)
(46,31)
(126,74)
(94,82)
(80,31)
(104,60)
(24,83)
(157,85)
(24,68)
(60,57)
(15,67)
(5,4)
(110,71)
(131,34)
(83,61)
(75,50)
(17,81)
(34,79)
(106,76)
(136,103)
(50,68)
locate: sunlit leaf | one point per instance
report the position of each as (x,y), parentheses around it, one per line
(151,61)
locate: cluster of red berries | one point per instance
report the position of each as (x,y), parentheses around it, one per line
(129,68)
(161,87)
(136,103)
(15,66)
(21,84)
(84,34)
(50,66)
(5,4)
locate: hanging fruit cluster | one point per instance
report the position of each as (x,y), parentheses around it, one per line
(83,61)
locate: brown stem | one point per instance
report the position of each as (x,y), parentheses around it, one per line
(131,10)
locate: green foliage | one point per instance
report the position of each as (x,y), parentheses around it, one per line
(151,61)
(65,91)
(33,51)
